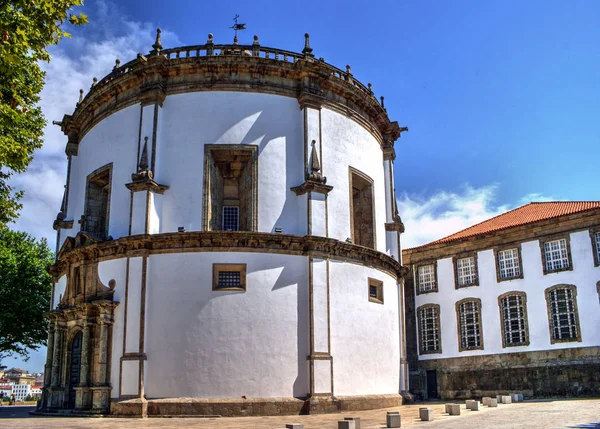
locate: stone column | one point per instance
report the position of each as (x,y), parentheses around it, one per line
(49,355)
(85,354)
(103,353)
(56,353)
(403,356)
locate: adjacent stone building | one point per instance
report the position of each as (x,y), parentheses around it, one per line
(228,240)
(510,304)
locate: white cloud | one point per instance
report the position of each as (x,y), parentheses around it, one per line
(66,74)
(444,213)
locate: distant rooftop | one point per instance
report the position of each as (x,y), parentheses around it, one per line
(524,215)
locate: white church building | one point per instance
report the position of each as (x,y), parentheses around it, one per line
(228,240)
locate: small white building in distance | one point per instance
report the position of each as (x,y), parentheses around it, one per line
(228,240)
(21,391)
(508,305)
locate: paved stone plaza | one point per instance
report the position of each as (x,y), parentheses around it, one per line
(543,414)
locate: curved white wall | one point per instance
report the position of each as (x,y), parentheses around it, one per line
(584,275)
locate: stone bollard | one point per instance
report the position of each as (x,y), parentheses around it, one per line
(492,402)
(499,398)
(454,409)
(485,400)
(426,414)
(447,409)
(294,426)
(472,405)
(393,419)
(346,424)
(506,399)
(514,397)
(520,395)
(356,421)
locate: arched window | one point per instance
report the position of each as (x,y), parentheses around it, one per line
(513,319)
(362,209)
(468,317)
(430,340)
(563,316)
(97,203)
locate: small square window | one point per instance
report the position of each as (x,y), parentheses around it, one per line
(508,264)
(375,291)
(426,279)
(231,218)
(556,255)
(229,277)
(465,271)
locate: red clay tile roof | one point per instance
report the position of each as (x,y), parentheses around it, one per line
(529,213)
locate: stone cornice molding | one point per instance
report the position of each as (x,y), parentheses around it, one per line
(311,186)
(230,241)
(149,79)
(147,185)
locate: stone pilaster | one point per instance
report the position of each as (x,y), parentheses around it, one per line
(56,353)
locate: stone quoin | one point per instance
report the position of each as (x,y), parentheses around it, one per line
(228,241)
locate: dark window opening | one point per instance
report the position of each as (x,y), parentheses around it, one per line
(361,208)
(97,199)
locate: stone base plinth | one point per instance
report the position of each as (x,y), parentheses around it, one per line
(225,407)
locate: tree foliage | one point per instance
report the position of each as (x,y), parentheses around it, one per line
(27,28)
(25,288)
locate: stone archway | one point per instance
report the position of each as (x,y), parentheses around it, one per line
(74,371)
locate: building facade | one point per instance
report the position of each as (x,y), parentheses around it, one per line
(511,304)
(228,240)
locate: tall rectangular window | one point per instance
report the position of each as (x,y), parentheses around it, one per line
(508,264)
(426,278)
(429,329)
(562,313)
(469,322)
(466,271)
(231,218)
(556,255)
(513,313)
(362,215)
(230,197)
(97,202)
(597,247)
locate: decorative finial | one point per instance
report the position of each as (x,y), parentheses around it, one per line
(157,44)
(382,104)
(235,40)
(370,88)
(80,96)
(307,49)
(117,64)
(348,70)
(315,165)
(255,40)
(143,165)
(210,38)
(94,81)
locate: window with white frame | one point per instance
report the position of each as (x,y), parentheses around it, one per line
(429,329)
(514,320)
(466,271)
(562,312)
(426,275)
(508,263)
(469,321)
(556,255)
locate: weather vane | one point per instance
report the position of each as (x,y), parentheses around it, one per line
(237,26)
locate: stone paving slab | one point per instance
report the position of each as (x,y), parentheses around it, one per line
(530,415)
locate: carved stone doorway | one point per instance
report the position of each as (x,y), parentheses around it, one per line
(74,368)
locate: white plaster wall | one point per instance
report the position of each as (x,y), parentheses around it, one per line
(116,270)
(347,144)
(534,283)
(273,123)
(364,334)
(115,140)
(59,289)
(205,343)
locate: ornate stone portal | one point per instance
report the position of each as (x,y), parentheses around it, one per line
(77,373)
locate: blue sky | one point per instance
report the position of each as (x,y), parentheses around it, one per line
(501,97)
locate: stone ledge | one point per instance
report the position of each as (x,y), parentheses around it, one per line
(233,407)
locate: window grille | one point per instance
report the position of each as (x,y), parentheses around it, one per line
(508,262)
(466,271)
(429,329)
(229,279)
(556,255)
(373,291)
(597,241)
(470,327)
(563,314)
(513,317)
(231,218)
(426,278)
